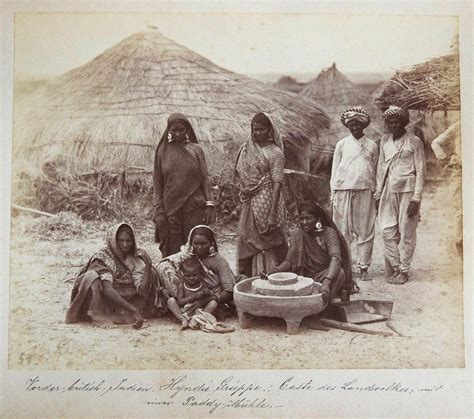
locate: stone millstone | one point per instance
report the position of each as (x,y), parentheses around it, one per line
(303,286)
(283,278)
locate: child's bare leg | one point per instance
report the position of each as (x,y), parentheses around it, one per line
(175,309)
(210,307)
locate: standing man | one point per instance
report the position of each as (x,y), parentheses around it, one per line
(400,177)
(353,184)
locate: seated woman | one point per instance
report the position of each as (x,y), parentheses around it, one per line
(216,272)
(191,290)
(117,285)
(318,251)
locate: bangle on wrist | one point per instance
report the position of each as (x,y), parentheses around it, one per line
(210,204)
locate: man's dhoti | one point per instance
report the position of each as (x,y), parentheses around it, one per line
(354,213)
(399,230)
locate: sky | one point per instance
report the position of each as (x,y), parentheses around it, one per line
(49,44)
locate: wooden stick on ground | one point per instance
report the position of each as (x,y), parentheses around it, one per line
(33,211)
(352,327)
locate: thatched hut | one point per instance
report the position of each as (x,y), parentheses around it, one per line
(109,113)
(431,86)
(290,84)
(431,91)
(335,92)
(103,120)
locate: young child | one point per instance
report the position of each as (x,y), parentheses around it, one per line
(192,293)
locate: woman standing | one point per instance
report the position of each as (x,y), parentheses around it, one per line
(182,197)
(259,168)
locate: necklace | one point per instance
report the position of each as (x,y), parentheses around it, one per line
(193,289)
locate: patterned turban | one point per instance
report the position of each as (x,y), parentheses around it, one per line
(398,113)
(355,114)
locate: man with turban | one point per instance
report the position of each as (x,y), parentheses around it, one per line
(353,185)
(400,177)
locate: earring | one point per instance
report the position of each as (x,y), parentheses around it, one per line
(187,137)
(169,136)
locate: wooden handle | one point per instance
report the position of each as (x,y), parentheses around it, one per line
(352,327)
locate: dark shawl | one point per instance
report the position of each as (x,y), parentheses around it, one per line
(177,174)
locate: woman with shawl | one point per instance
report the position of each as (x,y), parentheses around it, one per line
(319,251)
(259,169)
(217,275)
(182,197)
(117,285)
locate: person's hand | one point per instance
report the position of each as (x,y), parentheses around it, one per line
(160,219)
(272,221)
(165,294)
(413,208)
(209,215)
(205,292)
(144,255)
(325,291)
(138,319)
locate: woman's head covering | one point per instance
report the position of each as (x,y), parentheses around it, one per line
(111,255)
(315,210)
(174,117)
(356,113)
(111,238)
(396,112)
(265,119)
(205,231)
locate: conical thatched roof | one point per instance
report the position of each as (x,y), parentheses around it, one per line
(430,86)
(331,87)
(110,112)
(335,92)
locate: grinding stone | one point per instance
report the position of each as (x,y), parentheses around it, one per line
(303,286)
(283,278)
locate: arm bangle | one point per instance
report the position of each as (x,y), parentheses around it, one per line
(210,204)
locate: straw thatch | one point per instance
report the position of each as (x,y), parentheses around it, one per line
(109,113)
(335,92)
(430,86)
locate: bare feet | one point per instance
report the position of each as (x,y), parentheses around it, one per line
(184,324)
(400,278)
(396,274)
(364,275)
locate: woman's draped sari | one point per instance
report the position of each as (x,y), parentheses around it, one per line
(88,302)
(253,168)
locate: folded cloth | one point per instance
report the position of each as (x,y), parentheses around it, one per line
(208,323)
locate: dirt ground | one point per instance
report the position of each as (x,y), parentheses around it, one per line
(428,312)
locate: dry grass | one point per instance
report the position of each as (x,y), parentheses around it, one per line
(430,86)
